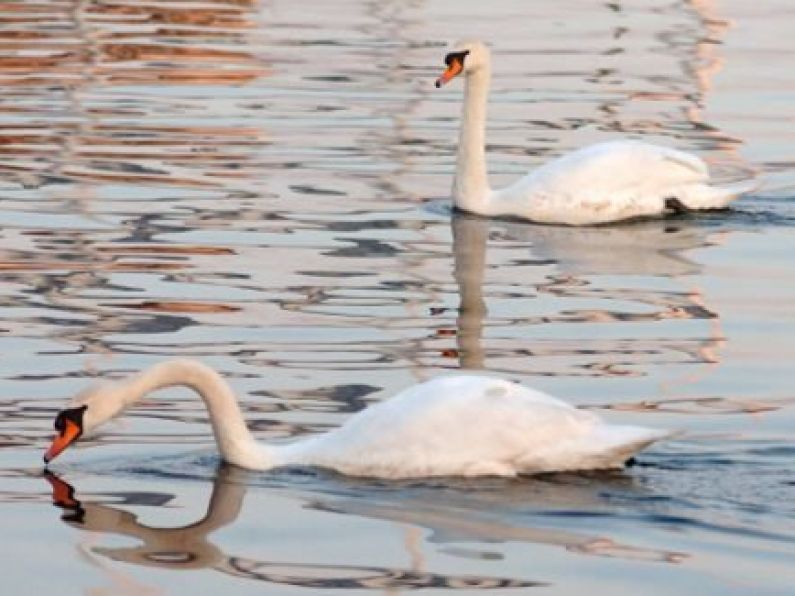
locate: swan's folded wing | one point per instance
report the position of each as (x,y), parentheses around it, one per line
(687,163)
(616,167)
(450,426)
(604,182)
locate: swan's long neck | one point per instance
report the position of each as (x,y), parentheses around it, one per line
(471,185)
(235,442)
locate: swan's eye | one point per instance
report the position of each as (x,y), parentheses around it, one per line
(74,415)
(457,56)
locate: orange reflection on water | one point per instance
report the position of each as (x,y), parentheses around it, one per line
(73,122)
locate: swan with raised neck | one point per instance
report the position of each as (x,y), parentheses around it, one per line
(450,426)
(609,181)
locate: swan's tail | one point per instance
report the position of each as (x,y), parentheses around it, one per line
(704,196)
(612,445)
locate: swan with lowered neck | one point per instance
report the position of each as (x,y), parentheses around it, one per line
(606,182)
(449,426)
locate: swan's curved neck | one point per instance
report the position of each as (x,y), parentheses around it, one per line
(235,442)
(471,186)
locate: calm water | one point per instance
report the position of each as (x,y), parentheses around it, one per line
(262,185)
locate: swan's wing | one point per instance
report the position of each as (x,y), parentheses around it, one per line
(608,168)
(452,425)
(687,164)
(606,182)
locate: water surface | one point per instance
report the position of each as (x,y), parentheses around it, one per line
(263,185)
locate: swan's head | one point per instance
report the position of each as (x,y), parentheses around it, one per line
(87,410)
(465,57)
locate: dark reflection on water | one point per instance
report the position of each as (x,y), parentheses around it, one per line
(188,547)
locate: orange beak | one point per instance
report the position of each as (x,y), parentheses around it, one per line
(455,68)
(66,437)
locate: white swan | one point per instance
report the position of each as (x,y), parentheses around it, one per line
(601,183)
(450,426)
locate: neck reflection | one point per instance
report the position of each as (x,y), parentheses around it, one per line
(188,547)
(603,270)
(470,234)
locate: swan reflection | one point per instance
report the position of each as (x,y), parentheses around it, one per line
(189,547)
(470,234)
(469,521)
(494,511)
(647,247)
(564,260)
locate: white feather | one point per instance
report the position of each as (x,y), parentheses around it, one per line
(471,426)
(450,426)
(600,183)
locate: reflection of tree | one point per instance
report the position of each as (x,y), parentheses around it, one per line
(189,547)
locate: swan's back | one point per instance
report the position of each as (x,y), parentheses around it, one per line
(464,425)
(616,164)
(613,181)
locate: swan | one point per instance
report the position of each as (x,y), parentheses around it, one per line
(605,182)
(449,426)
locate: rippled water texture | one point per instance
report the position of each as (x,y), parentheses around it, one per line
(262,185)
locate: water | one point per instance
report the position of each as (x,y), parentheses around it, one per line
(262,186)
